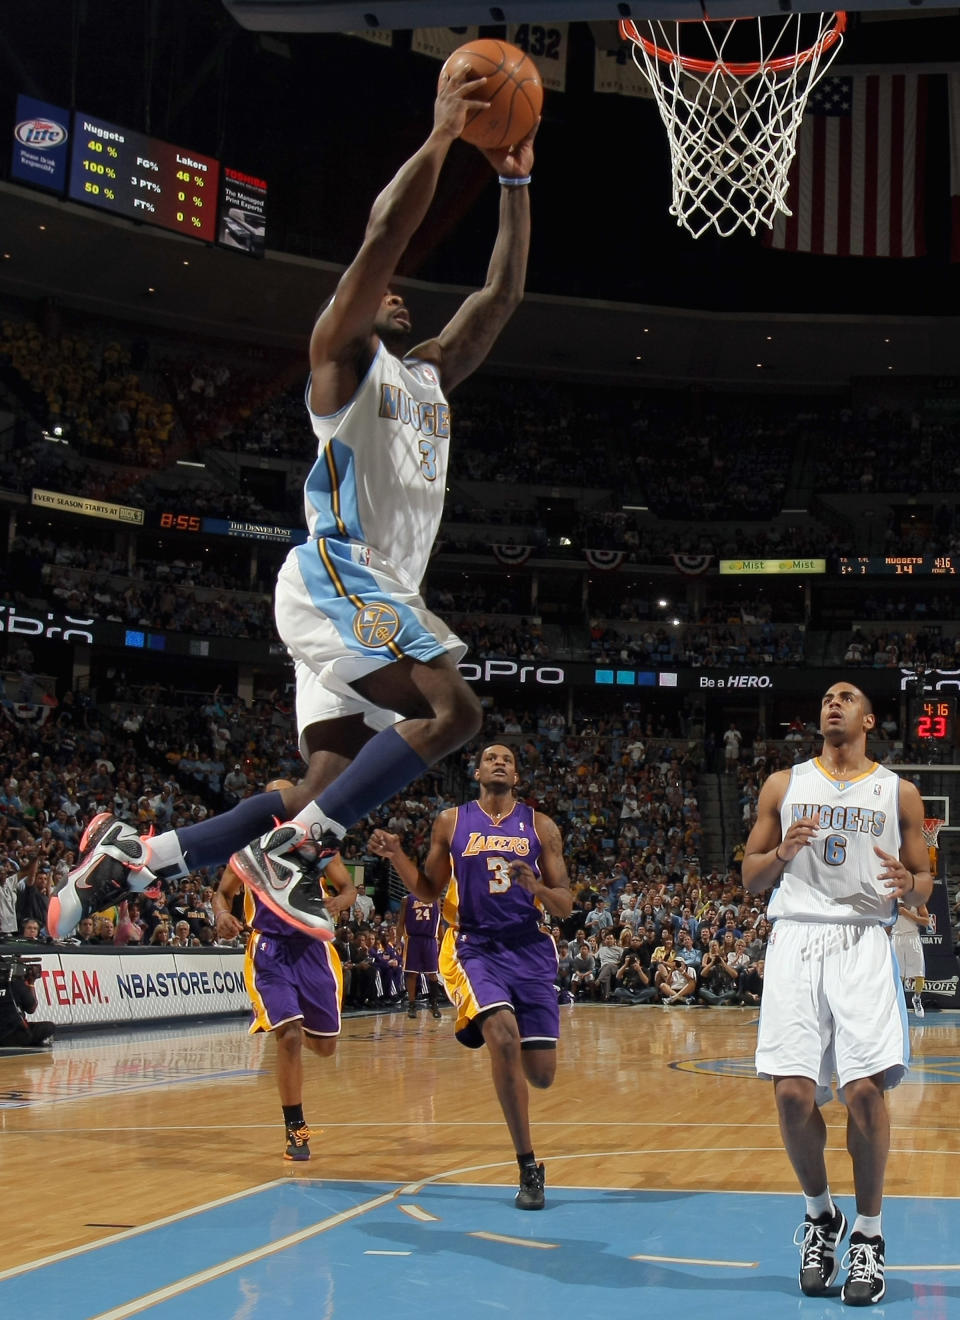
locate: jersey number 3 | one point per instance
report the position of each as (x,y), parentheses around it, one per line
(500,880)
(428,460)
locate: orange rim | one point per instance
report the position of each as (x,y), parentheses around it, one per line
(742,69)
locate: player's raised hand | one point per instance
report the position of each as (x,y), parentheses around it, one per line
(514,162)
(385,844)
(895,876)
(456,97)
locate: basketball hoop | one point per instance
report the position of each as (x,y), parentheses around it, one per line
(931,828)
(732,123)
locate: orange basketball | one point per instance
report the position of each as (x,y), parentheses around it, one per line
(513,88)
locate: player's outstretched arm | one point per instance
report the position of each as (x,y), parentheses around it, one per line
(347,322)
(427,884)
(467,339)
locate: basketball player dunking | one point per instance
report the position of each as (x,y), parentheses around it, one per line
(501,864)
(840,837)
(379,695)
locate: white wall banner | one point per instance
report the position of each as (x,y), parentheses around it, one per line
(81,988)
(439,42)
(379,36)
(615,71)
(546,44)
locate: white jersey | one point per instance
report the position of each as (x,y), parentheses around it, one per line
(380,474)
(835,878)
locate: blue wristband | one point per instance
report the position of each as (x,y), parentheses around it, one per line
(508,182)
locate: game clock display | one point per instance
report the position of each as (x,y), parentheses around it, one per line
(933,720)
(143,178)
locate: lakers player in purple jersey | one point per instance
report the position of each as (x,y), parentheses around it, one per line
(419,925)
(295,985)
(379,696)
(501,865)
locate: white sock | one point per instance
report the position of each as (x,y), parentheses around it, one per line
(312,815)
(819,1205)
(868,1225)
(166,858)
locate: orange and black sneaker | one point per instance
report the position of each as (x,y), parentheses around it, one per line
(298,1142)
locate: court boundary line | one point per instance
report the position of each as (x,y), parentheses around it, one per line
(57,1256)
(201,1277)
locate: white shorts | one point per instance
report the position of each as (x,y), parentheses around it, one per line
(342,610)
(909,953)
(832,1005)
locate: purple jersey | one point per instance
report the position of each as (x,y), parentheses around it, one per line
(258,916)
(421,920)
(481,897)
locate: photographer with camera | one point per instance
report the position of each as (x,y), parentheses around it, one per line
(17,999)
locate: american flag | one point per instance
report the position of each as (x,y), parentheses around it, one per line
(953,84)
(857,180)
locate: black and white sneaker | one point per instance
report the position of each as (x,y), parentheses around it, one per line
(284,869)
(865,1283)
(530,1194)
(818,1240)
(109,851)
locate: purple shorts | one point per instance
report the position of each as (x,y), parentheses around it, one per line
(480,973)
(420,953)
(293,977)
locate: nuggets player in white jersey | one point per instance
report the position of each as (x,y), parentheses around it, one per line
(379,694)
(840,839)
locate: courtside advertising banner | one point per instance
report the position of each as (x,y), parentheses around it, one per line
(40,136)
(104,988)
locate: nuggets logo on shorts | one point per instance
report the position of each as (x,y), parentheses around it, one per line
(376,624)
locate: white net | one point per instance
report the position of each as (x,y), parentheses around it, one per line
(731,122)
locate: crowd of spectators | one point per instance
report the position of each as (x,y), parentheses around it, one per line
(886,648)
(875,450)
(91,391)
(699,645)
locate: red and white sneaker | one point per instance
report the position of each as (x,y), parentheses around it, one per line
(284,868)
(109,850)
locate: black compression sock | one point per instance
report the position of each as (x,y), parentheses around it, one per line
(293,1115)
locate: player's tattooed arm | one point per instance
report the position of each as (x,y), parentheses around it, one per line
(469,336)
(552,887)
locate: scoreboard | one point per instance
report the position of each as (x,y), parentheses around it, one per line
(137,176)
(900,566)
(143,178)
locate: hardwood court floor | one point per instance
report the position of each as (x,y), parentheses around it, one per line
(110,1132)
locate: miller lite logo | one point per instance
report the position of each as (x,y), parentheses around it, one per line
(40,133)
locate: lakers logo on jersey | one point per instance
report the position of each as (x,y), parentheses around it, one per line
(376,624)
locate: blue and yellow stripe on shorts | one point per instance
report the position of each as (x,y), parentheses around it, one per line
(344,593)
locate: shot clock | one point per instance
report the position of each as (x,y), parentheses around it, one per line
(934,718)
